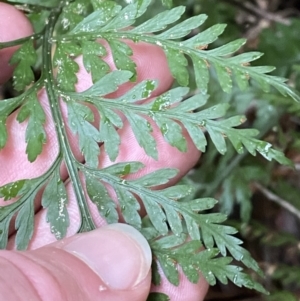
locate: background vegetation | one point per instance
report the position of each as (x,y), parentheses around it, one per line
(261,198)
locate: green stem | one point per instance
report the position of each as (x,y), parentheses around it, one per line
(115,181)
(87,223)
(142,109)
(36,184)
(21,41)
(9,105)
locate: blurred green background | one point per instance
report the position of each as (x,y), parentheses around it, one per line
(261,198)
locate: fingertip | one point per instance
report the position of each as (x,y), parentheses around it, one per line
(13,25)
(122,262)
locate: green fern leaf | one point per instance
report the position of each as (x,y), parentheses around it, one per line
(108,84)
(182,29)
(35,133)
(167,3)
(96,20)
(100,197)
(121,53)
(79,117)
(158,297)
(66,67)
(194,47)
(160,21)
(73,13)
(55,200)
(23,75)
(25,223)
(91,51)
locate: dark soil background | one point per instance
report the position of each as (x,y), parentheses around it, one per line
(274,237)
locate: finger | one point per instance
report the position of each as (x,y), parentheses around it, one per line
(86,267)
(186,290)
(13,25)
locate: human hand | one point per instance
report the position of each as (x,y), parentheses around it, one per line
(113,262)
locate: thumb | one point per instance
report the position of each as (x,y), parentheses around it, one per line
(110,263)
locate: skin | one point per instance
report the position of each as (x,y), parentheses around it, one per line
(13,26)
(77,267)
